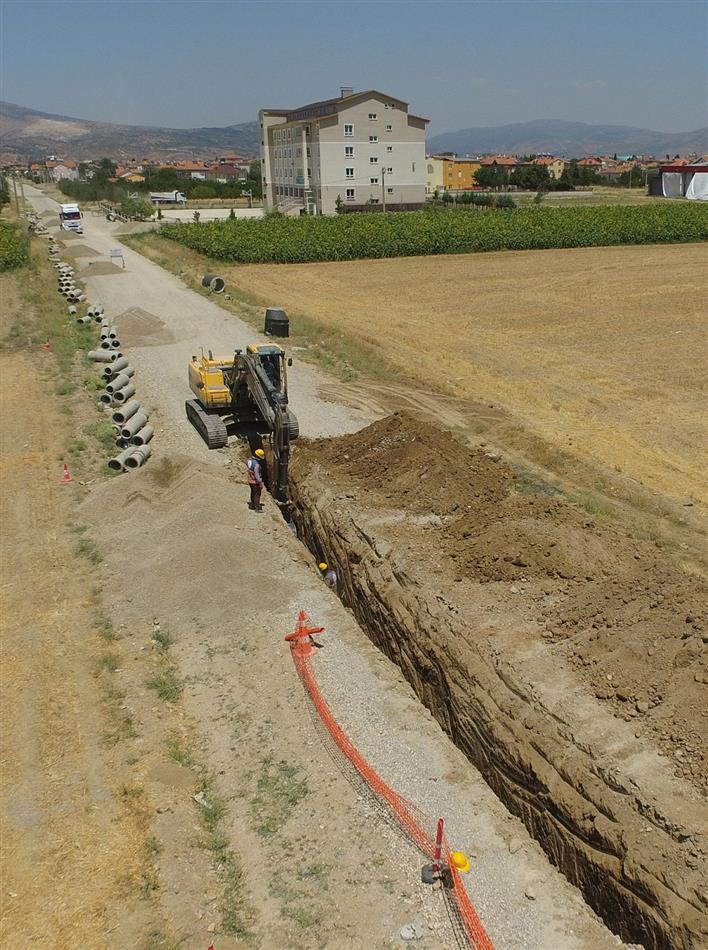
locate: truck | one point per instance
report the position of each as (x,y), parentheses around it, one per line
(168,198)
(70,218)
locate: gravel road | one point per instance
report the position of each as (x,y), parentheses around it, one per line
(366,691)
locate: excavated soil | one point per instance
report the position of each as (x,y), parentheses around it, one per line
(480,591)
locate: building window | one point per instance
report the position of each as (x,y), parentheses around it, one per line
(430,169)
(389,171)
(349,172)
(350,194)
(372,117)
(373,200)
(389,128)
(349,130)
(349,151)
(308,151)
(389,148)
(412,166)
(373,160)
(390,191)
(373,138)
(374,181)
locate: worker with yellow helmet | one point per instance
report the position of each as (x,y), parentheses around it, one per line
(330,576)
(255,479)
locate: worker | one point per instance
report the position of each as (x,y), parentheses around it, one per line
(330,576)
(255,479)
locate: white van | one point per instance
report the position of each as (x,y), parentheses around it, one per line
(70,218)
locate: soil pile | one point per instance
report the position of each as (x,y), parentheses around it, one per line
(636,625)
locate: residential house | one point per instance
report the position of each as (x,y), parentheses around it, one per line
(62,169)
(555,166)
(354,151)
(449,173)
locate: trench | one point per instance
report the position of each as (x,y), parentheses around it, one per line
(590,821)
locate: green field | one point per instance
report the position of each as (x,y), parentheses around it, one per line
(282,240)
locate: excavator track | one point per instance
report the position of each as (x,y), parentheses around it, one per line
(210,427)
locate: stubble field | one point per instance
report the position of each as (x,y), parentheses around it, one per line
(600,351)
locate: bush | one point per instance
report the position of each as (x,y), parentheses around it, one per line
(286,240)
(13,248)
(136,208)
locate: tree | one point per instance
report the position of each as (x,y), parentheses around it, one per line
(491,176)
(531,177)
(254,178)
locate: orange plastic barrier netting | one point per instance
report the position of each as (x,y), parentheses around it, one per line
(396,809)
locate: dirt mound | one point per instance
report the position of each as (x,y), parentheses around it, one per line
(636,625)
(80,250)
(100,269)
(417,465)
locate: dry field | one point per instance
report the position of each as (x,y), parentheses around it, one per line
(600,351)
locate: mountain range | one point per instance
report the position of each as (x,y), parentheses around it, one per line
(569,139)
(27,133)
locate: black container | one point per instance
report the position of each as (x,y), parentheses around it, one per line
(276,322)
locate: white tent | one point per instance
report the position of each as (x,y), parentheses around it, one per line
(685,181)
(696,184)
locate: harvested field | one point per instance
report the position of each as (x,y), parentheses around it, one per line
(600,351)
(477,591)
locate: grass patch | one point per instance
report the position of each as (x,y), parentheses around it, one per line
(179,752)
(167,685)
(280,788)
(108,663)
(86,548)
(66,388)
(594,506)
(158,940)
(163,639)
(103,433)
(105,630)
(94,384)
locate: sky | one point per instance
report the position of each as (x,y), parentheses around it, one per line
(461,64)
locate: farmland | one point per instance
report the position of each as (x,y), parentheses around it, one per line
(598,350)
(355,237)
(13,250)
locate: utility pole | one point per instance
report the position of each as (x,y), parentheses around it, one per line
(383,189)
(22,193)
(14,190)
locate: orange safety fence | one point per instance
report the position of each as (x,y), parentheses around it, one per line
(398,811)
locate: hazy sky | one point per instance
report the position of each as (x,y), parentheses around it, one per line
(460,64)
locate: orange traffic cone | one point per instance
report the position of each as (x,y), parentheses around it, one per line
(66,475)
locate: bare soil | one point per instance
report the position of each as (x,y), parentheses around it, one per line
(416,521)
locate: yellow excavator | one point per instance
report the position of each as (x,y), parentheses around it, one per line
(249,390)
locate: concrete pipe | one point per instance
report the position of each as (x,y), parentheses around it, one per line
(104,335)
(98,307)
(117,464)
(116,428)
(122,443)
(105,344)
(134,424)
(116,366)
(143,436)
(139,456)
(128,371)
(98,318)
(215,283)
(127,412)
(89,311)
(105,398)
(100,356)
(72,310)
(81,298)
(116,355)
(115,344)
(123,394)
(83,321)
(113,332)
(118,382)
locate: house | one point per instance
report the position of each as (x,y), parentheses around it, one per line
(62,169)
(590,162)
(505,161)
(355,151)
(612,173)
(225,171)
(555,166)
(449,173)
(195,170)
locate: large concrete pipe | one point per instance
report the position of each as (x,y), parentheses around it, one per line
(72,310)
(143,436)
(83,321)
(113,332)
(105,344)
(82,297)
(134,424)
(98,317)
(125,412)
(118,382)
(139,456)
(110,376)
(117,464)
(122,443)
(106,398)
(115,344)
(215,283)
(100,356)
(117,366)
(98,307)
(123,394)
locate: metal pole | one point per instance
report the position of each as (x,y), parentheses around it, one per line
(438,846)
(22,193)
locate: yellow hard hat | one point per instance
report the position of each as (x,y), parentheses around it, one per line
(322,566)
(260,453)
(459,859)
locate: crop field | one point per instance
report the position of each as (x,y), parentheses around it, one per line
(13,249)
(601,351)
(359,236)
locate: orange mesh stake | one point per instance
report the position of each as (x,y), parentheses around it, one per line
(299,639)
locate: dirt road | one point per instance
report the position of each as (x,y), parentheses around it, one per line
(310,866)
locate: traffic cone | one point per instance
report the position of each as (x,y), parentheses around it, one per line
(66,475)
(47,346)
(300,639)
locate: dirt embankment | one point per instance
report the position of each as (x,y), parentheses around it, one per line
(478,591)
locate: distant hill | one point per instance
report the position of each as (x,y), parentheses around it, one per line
(569,139)
(28,133)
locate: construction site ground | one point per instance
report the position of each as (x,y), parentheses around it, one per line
(187,665)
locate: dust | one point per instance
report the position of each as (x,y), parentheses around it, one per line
(637,623)
(142,328)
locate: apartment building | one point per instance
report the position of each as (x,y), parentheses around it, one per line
(359,150)
(447,173)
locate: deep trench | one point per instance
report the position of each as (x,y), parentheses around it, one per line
(589,823)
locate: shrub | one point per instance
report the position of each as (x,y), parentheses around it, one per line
(285,240)
(13,248)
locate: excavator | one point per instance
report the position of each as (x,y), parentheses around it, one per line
(250,390)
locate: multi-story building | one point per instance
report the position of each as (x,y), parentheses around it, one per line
(356,151)
(448,173)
